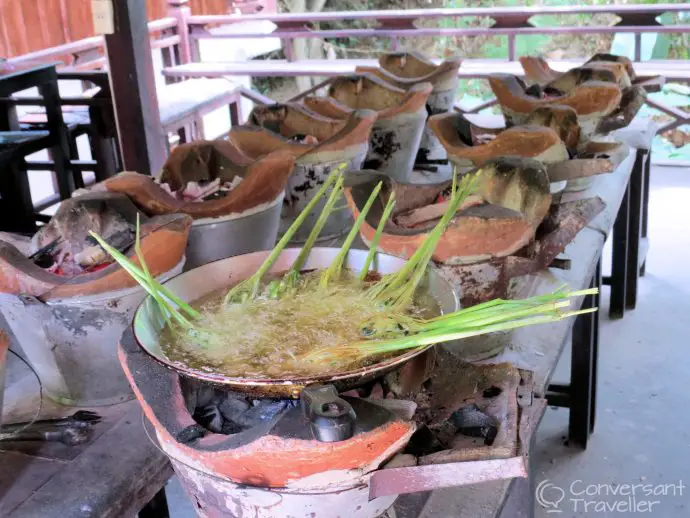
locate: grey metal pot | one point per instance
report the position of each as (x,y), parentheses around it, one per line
(212,239)
(72,342)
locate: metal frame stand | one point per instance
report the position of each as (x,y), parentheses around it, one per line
(580,395)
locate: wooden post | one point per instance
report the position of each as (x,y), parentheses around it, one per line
(179,10)
(142,139)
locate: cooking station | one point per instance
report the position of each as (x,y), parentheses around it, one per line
(437,423)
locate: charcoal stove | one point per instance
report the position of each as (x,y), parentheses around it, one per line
(431,424)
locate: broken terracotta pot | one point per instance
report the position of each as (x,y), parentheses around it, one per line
(68,327)
(511,200)
(550,135)
(406,69)
(245,220)
(600,105)
(400,123)
(537,70)
(337,142)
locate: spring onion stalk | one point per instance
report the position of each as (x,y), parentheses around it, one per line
(387,211)
(249,288)
(334,269)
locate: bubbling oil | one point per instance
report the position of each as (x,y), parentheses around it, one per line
(268,338)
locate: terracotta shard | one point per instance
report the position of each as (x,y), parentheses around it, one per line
(592,101)
(294,120)
(618,71)
(551,135)
(406,69)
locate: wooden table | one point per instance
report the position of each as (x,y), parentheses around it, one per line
(121,469)
(538,349)
(117,474)
(44,77)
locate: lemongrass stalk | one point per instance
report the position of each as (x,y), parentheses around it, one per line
(401,277)
(149,284)
(387,211)
(418,263)
(320,223)
(249,287)
(139,275)
(334,269)
(370,347)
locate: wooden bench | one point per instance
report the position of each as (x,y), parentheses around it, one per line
(470,68)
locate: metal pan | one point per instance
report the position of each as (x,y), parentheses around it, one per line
(196,283)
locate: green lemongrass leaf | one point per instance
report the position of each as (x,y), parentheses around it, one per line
(318,227)
(368,348)
(249,288)
(387,211)
(150,285)
(334,269)
(400,289)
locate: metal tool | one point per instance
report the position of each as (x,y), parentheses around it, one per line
(80,419)
(69,435)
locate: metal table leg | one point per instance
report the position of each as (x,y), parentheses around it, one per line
(583,371)
(636,201)
(581,394)
(157,507)
(619,266)
(645,204)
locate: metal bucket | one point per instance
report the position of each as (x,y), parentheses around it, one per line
(215,496)
(72,342)
(212,239)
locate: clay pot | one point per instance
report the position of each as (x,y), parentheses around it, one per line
(263,179)
(537,70)
(456,133)
(400,123)
(598,104)
(246,220)
(69,328)
(339,141)
(512,198)
(406,69)
(551,136)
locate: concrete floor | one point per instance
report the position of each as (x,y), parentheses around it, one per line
(640,436)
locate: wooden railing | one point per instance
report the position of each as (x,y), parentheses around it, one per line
(509,22)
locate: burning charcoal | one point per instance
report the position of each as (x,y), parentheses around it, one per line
(471,421)
(230,428)
(209,417)
(262,411)
(231,408)
(423,442)
(204,395)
